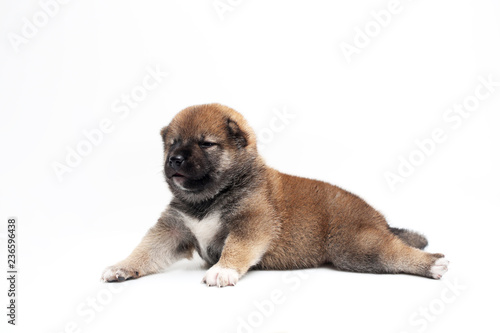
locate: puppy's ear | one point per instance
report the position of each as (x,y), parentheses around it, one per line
(235,133)
(163,134)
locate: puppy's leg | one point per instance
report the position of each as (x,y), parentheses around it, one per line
(398,257)
(238,255)
(164,244)
(379,251)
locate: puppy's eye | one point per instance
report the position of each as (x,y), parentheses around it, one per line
(206,144)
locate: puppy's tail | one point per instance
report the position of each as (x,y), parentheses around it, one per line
(411,238)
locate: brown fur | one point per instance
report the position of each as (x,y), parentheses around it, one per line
(268,220)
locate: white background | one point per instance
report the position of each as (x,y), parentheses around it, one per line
(352,122)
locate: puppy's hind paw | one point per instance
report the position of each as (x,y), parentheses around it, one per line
(439,267)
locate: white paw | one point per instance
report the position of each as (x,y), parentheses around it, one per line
(439,268)
(221,277)
(113,273)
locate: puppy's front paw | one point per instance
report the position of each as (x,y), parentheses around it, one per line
(221,277)
(439,267)
(117,273)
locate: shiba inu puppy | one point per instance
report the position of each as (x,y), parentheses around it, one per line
(238,213)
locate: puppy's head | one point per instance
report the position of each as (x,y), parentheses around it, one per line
(206,147)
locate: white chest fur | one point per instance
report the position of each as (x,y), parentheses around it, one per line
(204,230)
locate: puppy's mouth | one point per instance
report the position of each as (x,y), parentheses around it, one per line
(179,179)
(178,175)
(189,183)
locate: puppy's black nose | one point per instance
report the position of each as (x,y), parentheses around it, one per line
(176,161)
